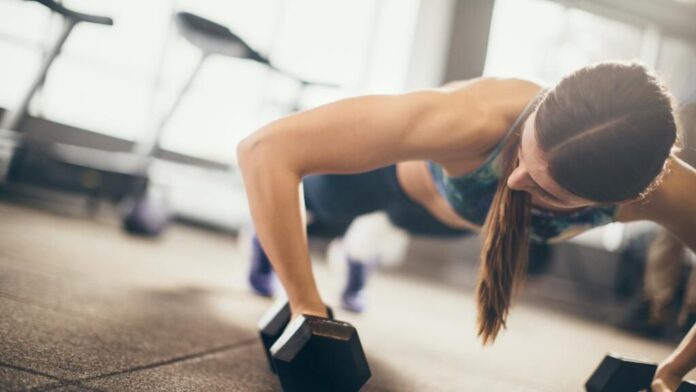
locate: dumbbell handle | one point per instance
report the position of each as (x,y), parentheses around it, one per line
(330,328)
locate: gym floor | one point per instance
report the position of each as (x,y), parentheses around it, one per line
(87,308)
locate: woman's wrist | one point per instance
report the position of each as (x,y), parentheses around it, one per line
(676,364)
(313,308)
(670,373)
(306,301)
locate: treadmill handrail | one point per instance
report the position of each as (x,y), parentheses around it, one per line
(76,16)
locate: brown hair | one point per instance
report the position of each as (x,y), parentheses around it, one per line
(607,131)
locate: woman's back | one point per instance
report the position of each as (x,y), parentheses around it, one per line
(506,100)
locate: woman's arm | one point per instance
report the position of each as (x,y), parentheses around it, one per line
(672,370)
(348,136)
(673,205)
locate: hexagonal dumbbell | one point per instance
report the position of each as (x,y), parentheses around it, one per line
(620,374)
(313,353)
(320,354)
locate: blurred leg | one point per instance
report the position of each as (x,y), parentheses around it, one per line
(370,240)
(353,297)
(261,277)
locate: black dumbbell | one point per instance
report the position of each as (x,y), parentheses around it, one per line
(315,353)
(620,374)
(272,325)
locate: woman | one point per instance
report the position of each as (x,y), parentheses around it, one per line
(501,156)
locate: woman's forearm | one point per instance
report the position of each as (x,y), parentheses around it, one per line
(683,359)
(273,193)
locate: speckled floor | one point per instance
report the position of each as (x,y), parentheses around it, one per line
(86,308)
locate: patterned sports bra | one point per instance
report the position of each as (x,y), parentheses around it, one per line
(471,196)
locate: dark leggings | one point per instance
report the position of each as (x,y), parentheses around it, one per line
(334,200)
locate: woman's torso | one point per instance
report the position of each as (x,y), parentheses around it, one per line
(418,182)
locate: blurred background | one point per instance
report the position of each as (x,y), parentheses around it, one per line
(121,80)
(136,121)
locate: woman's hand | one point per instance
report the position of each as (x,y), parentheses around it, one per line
(318,309)
(672,370)
(666,379)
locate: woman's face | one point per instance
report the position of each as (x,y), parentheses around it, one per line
(532,176)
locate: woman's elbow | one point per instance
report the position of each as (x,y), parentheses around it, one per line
(244,148)
(250,151)
(262,152)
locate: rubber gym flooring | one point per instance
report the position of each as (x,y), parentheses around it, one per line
(84,307)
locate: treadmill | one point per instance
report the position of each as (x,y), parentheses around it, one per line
(44,153)
(32,153)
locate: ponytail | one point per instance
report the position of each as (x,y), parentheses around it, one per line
(504,252)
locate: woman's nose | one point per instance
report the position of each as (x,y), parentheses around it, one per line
(518,179)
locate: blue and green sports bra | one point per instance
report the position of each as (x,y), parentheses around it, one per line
(471,196)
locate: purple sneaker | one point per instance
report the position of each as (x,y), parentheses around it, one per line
(353,298)
(261,275)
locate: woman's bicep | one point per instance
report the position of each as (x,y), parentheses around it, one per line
(359,134)
(680,227)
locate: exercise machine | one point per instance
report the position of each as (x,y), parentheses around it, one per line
(28,157)
(100,166)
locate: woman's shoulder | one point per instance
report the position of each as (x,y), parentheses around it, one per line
(671,200)
(493,104)
(671,204)
(487,85)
